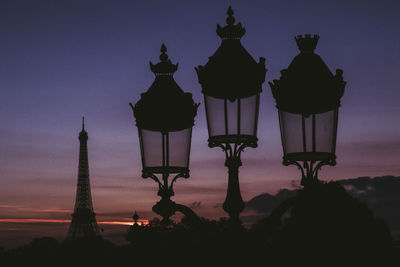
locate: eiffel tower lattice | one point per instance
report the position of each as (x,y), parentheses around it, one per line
(83,224)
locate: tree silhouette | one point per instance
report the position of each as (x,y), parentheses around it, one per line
(324,224)
(321,225)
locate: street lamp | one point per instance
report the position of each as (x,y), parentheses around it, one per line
(164,118)
(231,83)
(308,98)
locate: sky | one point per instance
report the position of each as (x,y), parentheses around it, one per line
(61,60)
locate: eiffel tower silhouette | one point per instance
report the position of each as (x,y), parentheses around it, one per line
(83,224)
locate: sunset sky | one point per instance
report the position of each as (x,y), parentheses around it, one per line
(61,60)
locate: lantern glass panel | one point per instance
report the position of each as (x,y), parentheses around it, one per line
(249,115)
(291,132)
(179,148)
(233,118)
(152,148)
(165,152)
(325,134)
(215,115)
(310,137)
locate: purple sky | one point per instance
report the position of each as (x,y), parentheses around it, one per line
(61,60)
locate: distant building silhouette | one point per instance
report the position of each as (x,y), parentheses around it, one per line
(83,224)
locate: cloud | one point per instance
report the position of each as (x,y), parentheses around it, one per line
(20,211)
(218,205)
(195,204)
(202,190)
(370,152)
(113,187)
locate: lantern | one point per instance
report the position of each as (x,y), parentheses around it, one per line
(164,118)
(231,83)
(308,98)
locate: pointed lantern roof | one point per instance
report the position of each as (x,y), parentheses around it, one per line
(231,72)
(307,86)
(165,106)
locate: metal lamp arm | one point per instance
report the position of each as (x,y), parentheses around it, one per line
(179,175)
(188,212)
(240,150)
(319,165)
(290,162)
(153,177)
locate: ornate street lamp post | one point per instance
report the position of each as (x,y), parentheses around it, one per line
(164,118)
(231,83)
(308,98)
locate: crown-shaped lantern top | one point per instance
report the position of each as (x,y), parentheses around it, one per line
(230,31)
(165,66)
(307,44)
(308,86)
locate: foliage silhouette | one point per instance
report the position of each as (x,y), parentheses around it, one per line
(324,224)
(320,225)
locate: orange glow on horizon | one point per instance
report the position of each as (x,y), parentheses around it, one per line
(140,222)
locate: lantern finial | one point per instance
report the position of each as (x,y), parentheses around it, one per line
(165,66)
(163,56)
(307,43)
(230,20)
(230,31)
